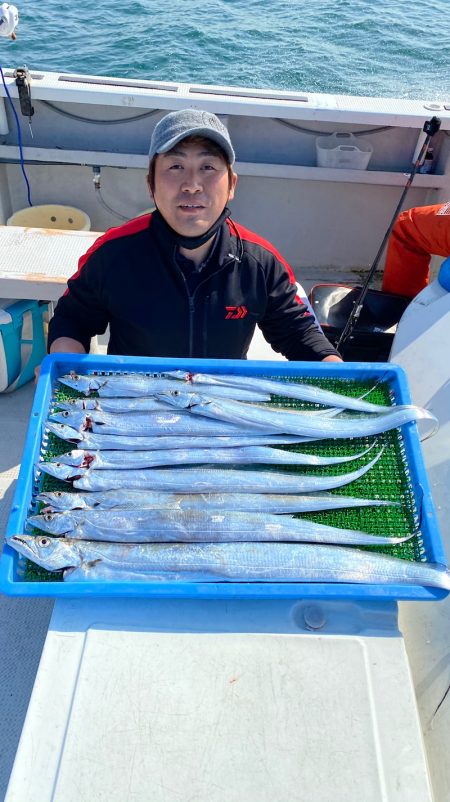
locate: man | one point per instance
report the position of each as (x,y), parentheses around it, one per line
(186,280)
(417,234)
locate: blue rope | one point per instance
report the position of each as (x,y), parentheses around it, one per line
(19,137)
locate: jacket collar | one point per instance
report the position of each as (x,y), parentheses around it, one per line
(227,250)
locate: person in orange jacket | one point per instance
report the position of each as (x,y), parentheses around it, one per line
(418,233)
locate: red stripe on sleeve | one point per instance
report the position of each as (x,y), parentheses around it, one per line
(134,226)
(249,236)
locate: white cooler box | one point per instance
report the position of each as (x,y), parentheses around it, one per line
(23,326)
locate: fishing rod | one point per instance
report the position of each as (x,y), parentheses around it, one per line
(430,128)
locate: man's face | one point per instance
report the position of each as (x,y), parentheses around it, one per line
(191,187)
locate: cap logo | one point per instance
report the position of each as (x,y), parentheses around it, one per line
(211,121)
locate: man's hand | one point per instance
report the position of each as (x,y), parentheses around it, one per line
(332,358)
(67,345)
(63,345)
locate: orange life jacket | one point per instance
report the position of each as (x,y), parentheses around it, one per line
(417,234)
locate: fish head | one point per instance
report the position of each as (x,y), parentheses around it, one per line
(193,378)
(58,500)
(63,430)
(77,404)
(76,458)
(74,403)
(83,384)
(51,553)
(56,523)
(183,375)
(75,418)
(60,471)
(178,398)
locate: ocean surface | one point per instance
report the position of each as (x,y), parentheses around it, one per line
(390,48)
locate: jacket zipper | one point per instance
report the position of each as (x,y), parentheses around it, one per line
(192,305)
(191,315)
(191,324)
(205,324)
(190,301)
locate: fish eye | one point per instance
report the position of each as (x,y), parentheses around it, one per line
(48,516)
(59,493)
(44,541)
(65,413)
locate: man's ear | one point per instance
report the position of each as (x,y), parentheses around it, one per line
(233,186)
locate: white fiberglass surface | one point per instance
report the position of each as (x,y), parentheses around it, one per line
(421,348)
(143,714)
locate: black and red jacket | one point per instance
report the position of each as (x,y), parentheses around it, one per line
(130,279)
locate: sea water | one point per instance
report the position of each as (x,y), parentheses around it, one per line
(394,48)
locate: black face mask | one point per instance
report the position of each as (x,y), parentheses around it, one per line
(190,243)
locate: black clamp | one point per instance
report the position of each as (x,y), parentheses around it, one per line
(432,126)
(23,83)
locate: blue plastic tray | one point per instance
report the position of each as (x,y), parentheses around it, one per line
(57,365)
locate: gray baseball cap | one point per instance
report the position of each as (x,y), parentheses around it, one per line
(189,122)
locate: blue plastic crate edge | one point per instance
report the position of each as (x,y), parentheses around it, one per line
(56,365)
(222,590)
(62,363)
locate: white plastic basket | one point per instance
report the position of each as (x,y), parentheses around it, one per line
(343,150)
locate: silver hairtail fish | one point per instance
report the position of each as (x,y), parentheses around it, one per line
(295,422)
(153,404)
(204,479)
(114,442)
(303,392)
(148,423)
(143,404)
(135,385)
(115,385)
(226,562)
(60,500)
(150,403)
(198,526)
(250,455)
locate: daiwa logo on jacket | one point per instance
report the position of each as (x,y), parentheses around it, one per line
(235,312)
